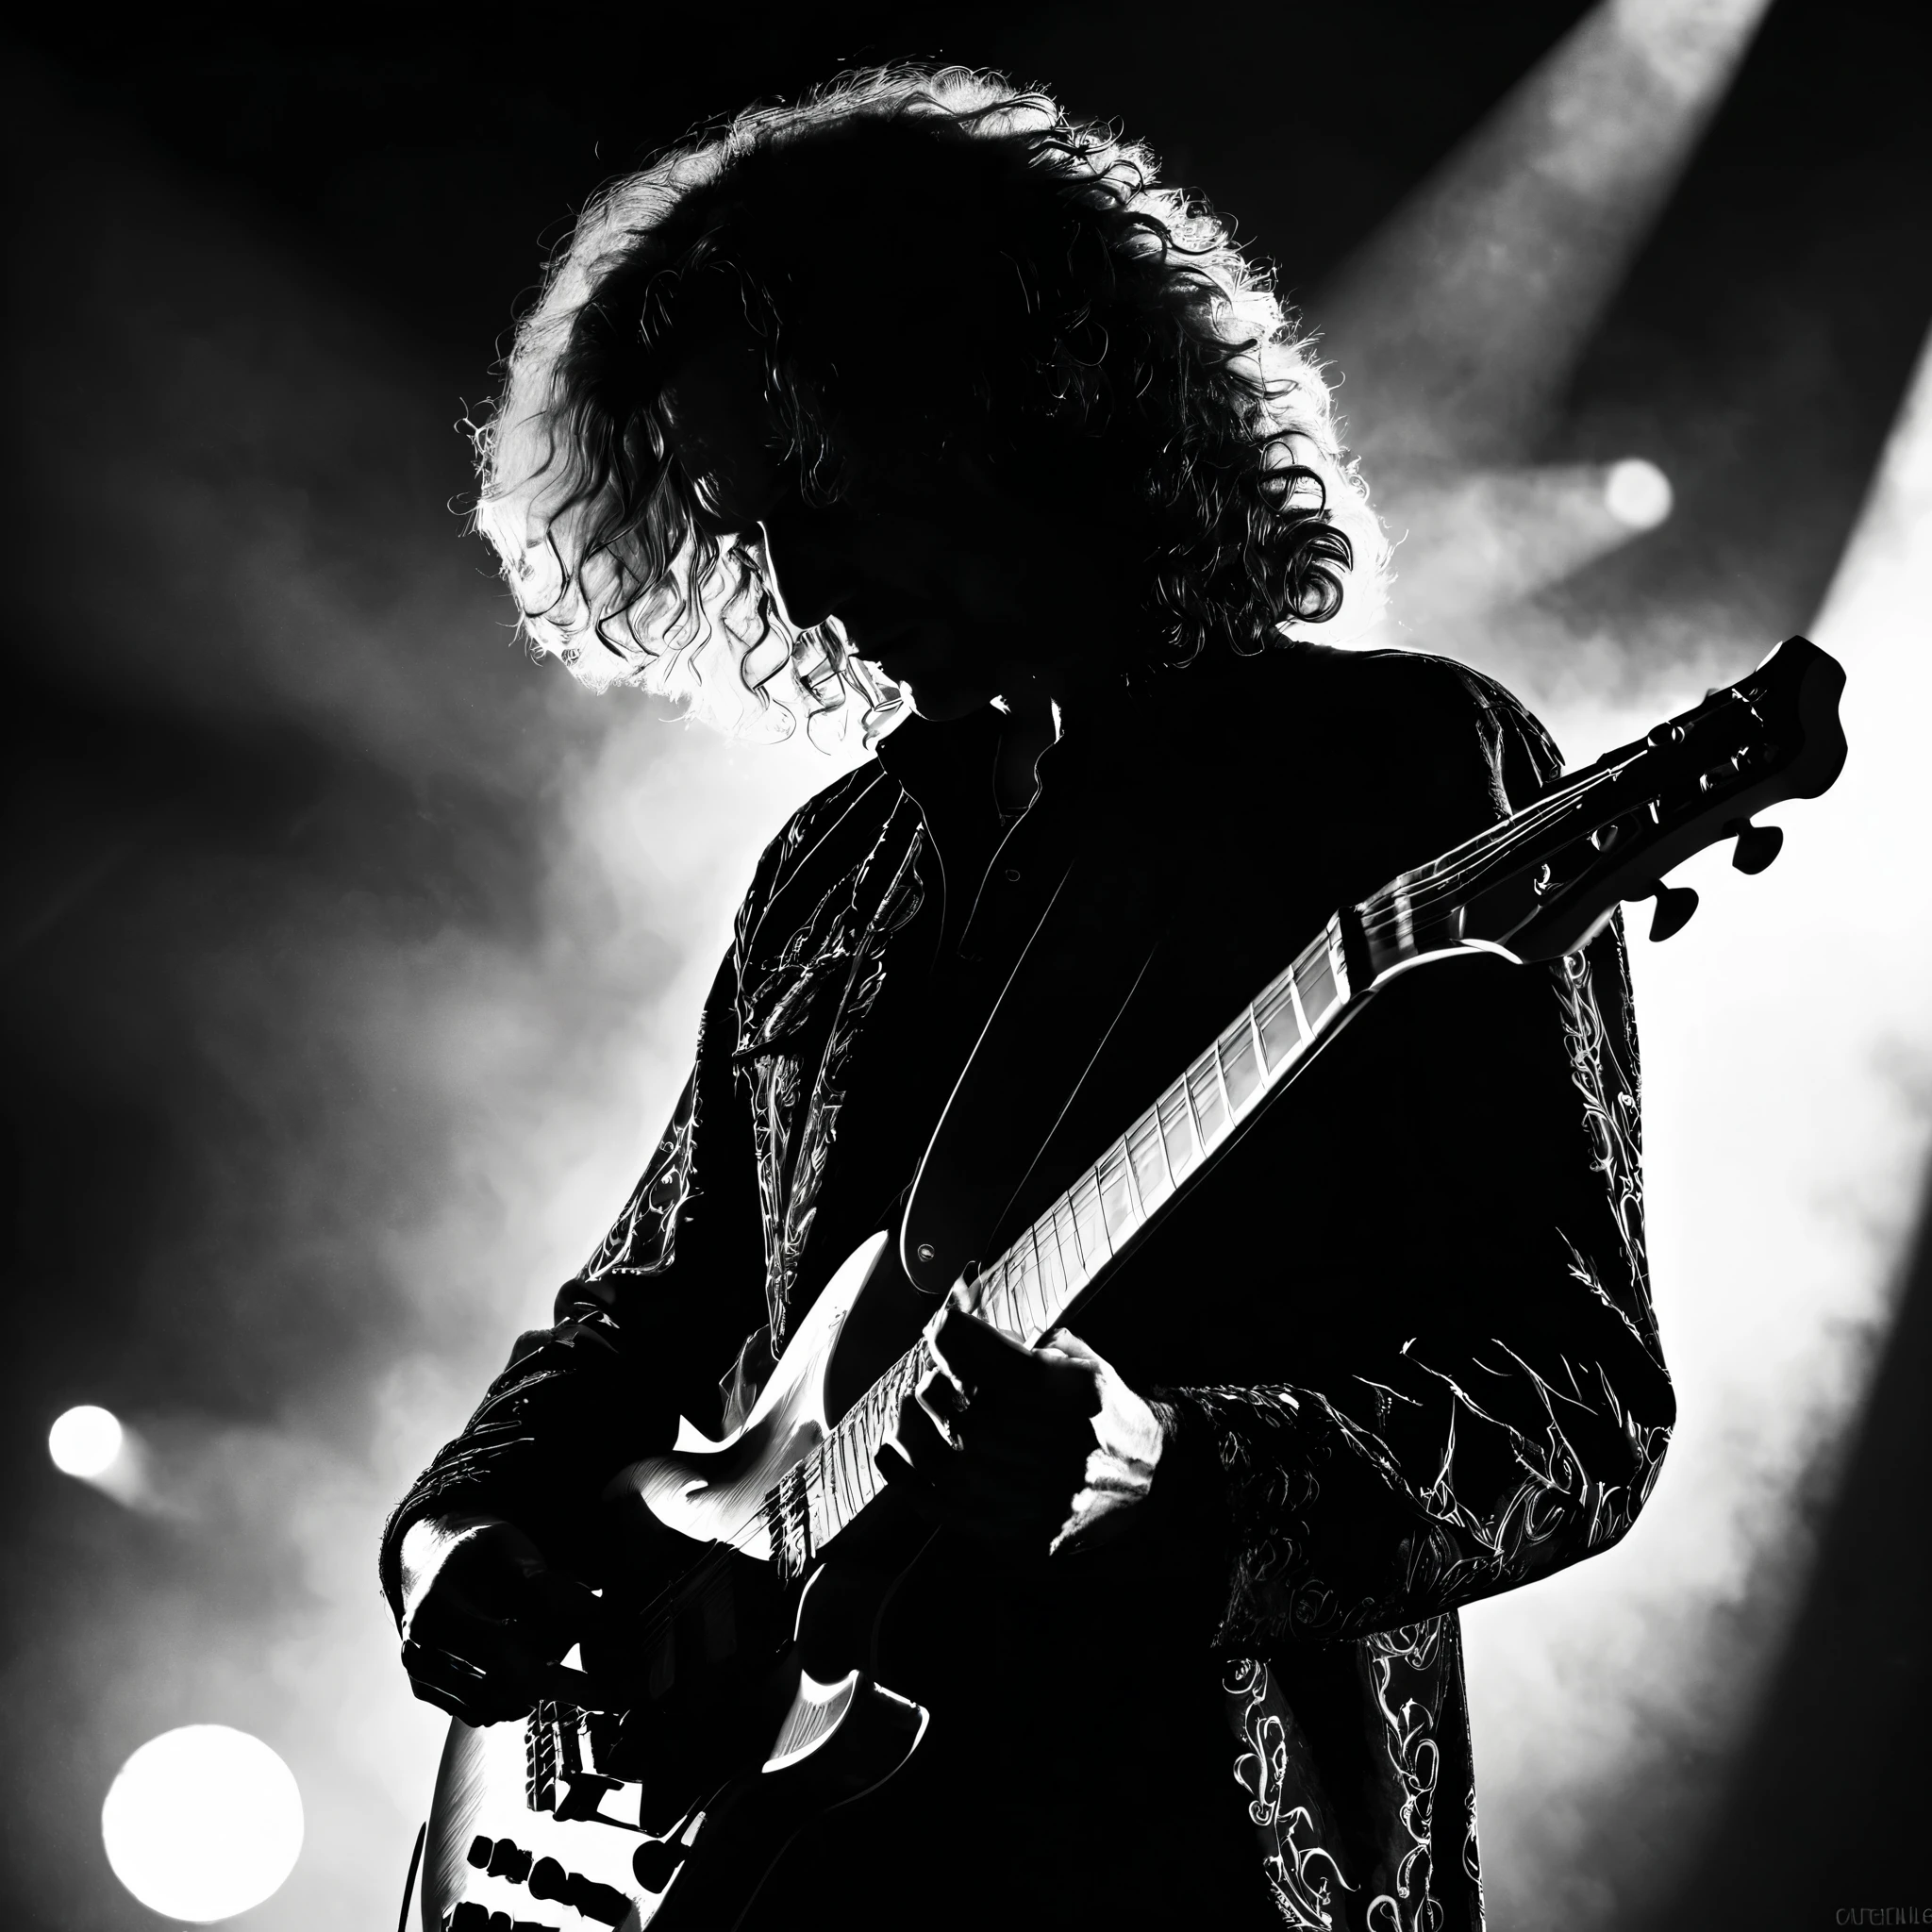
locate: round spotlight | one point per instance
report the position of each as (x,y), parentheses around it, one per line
(203,1823)
(1638,494)
(84,1442)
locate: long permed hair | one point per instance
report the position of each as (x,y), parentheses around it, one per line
(932,262)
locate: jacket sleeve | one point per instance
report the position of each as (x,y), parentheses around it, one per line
(1459,1386)
(639,1331)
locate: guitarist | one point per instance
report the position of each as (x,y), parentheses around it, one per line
(921,354)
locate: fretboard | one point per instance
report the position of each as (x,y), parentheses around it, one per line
(1030,1286)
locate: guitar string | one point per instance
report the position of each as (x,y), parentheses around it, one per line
(1554,803)
(1444,887)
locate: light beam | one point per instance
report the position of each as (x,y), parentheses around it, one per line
(1457,322)
(1788,1117)
(1492,537)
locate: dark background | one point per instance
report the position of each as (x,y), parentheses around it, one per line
(404,172)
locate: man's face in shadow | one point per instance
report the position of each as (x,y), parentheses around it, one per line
(956,589)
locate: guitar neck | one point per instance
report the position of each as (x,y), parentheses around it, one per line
(1055,1261)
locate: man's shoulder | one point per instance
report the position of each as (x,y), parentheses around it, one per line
(1404,718)
(864,790)
(837,826)
(1418,689)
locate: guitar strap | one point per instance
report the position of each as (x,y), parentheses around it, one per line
(1049,1029)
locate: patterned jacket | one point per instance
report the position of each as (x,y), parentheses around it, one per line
(1402,1343)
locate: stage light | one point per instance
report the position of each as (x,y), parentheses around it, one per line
(85,1442)
(1638,494)
(1486,538)
(1460,322)
(203,1823)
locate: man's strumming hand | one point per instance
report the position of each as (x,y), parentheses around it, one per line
(486,1620)
(1012,1442)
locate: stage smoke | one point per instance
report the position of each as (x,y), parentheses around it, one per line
(1491,537)
(1460,320)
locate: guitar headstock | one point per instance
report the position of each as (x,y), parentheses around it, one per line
(1552,875)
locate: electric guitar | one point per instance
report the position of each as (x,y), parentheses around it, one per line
(750,1707)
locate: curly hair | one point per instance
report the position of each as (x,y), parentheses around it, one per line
(931,261)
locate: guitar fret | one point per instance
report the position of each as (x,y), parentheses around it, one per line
(835,1511)
(1116,1196)
(775,1527)
(1315,972)
(992,1302)
(1177,1145)
(1301,1012)
(1043,1282)
(1020,1260)
(1278,1025)
(877,1429)
(851,1451)
(873,1426)
(824,1465)
(812,1498)
(1208,1101)
(1053,1275)
(1338,959)
(791,1530)
(1067,1238)
(1239,1077)
(873,1431)
(1221,1087)
(1043,1294)
(1020,1285)
(1152,1181)
(1091,1222)
(1018,1288)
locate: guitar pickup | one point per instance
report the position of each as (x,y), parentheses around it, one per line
(470,1917)
(602,1902)
(505,1858)
(563,1774)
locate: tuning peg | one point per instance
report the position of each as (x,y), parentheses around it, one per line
(1675,906)
(1757,846)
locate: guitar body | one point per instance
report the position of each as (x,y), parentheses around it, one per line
(754,1709)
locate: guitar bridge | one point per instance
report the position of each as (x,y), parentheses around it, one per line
(540,1758)
(563,1748)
